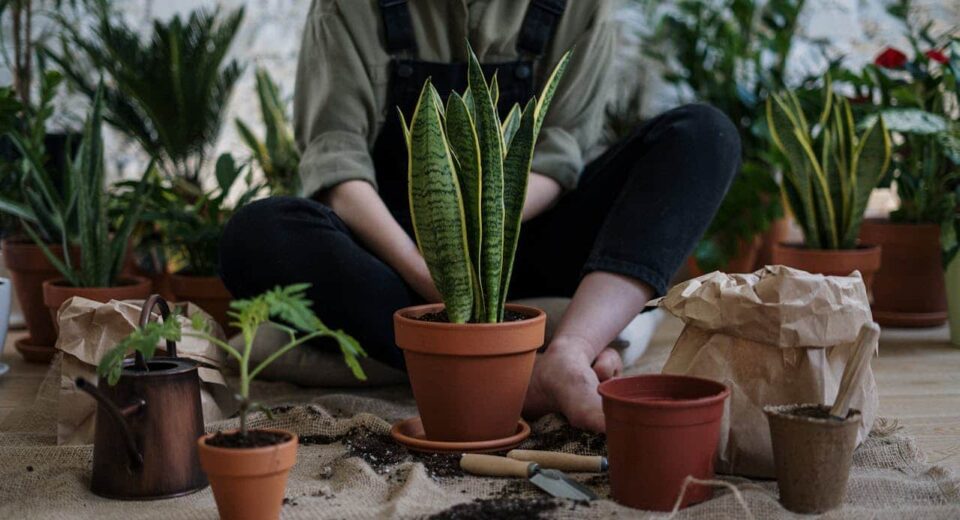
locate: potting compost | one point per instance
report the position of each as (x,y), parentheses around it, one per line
(348,467)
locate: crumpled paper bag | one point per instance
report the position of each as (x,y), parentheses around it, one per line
(776,336)
(89,329)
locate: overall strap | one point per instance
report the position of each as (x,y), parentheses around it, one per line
(397,26)
(538,25)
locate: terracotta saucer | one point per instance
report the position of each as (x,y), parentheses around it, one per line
(909,319)
(409,432)
(34,353)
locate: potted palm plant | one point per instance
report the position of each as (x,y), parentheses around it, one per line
(96,274)
(470,358)
(247,468)
(276,154)
(832,169)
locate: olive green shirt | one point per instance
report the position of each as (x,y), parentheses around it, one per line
(340,102)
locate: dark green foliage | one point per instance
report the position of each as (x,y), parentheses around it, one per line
(277,154)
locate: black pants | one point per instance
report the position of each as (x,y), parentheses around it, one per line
(638,211)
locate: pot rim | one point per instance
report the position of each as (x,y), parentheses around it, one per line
(604,390)
(780,412)
(293,440)
(181,366)
(406,316)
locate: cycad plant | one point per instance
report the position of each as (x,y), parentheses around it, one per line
(832,168)
(277,154)
(468,175)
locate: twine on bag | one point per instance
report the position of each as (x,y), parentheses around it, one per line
(712,482)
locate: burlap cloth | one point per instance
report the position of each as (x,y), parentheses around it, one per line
(330,480)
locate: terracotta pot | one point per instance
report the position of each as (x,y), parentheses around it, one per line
(208,293)
(469,380)
(29,268)
(812,457)
(953,297)
(660,429)
(55,292)
(908,290)
(829,262)
(742,263)
(779,232)
(248,483)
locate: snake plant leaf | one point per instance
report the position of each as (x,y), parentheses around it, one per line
(462,137)
(782,122)
(16,209)
(491,194)
(516,171)
(495,90)
(510,126)
(404,126)
(549,89)
(821,191)
(436,208)
(870,161)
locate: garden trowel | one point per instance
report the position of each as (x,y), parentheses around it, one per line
(554,482)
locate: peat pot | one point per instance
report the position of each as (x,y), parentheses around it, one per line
(207,292)
(831,262)
(660,429)
(812,453)
(145,443)
(908,290)
(56,292)
(29,268)
(953,295)
(249,483)
(469,379)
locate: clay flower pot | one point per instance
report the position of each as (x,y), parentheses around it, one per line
(742,263)
(470,379)
(29,268)
(812,455)
(953,295)
(248,483)
(830,262)
(660,429)
(55,292)
(908,290)
(207,292)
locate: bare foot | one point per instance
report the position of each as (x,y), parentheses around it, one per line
(564,381)
(608,364)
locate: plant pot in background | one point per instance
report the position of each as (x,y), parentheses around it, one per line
(207,292)
(469,379)
(908,290)
(812,456)
(953,299)
(248,483)
(660,429)
(742,263)
(778,233)
(29,269)
(55,292)
(829,262)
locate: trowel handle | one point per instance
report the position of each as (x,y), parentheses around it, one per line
(493,466)
(856,366)
(562,461)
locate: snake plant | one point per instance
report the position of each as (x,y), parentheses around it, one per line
(468,175)
(277,154)
(832,169)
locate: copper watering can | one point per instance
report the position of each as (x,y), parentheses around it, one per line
(147,426)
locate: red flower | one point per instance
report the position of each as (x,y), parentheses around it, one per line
(937,56)
(891,58)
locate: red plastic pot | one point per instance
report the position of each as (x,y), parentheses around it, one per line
(469,379)
(660,429)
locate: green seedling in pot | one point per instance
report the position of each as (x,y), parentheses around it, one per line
(285,308)
(468,175)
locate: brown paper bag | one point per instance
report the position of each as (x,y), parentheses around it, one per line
(776,336)
(89,329)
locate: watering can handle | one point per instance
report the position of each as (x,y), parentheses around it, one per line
(119,417)
(155,300)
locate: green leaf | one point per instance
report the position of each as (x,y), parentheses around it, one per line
(549,89)
(908,121)
(869,163)
(227,173)
(510,126)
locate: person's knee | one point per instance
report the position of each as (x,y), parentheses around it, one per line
(705,124)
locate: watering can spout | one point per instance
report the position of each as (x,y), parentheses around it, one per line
(119,416)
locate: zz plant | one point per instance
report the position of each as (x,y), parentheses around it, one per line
(832,169)
(285,308)
(468,175)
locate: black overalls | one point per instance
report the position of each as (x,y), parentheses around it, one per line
(637,211)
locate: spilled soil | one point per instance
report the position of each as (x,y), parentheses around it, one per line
(499,509)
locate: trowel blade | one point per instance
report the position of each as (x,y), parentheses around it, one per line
(560,485)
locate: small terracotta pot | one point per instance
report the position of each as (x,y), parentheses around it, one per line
(55,292)
(248,483)
(953,295)
(742,263)
(29,268)
(208,293)
(908,290)
(469,379)
(660,429)
(829,262)
(812,457)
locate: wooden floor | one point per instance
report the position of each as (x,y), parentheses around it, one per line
(918,375)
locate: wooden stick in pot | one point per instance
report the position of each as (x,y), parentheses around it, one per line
(856,367)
